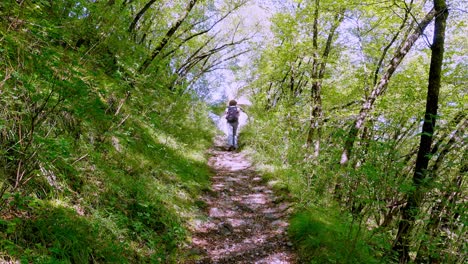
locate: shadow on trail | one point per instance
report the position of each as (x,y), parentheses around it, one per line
(245,222)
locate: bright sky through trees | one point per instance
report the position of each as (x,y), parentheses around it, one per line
(254,17)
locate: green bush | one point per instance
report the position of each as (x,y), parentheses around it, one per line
(325,238)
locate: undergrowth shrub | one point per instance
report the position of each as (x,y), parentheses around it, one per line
(323,236)
(322,231)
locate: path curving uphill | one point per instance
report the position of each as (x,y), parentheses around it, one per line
(245,222)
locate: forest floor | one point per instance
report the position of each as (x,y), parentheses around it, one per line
(245,222)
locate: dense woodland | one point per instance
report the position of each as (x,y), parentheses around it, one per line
(358,118)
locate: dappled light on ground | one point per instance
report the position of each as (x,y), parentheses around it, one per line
(245,222)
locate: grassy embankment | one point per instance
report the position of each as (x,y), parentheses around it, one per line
(103,177)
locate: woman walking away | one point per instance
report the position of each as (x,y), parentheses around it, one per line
(232,117)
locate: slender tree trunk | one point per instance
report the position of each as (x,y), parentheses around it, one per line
(414,199)
(316,115)
(316,85)
(441,210)
(459,118)
(390,44)
(381,86)
(316,118)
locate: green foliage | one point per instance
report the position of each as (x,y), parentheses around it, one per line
(56,234)
(375,182)
(323,236)
(97,163)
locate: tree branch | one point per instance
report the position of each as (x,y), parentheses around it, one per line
(381,86)
(139,15)
(167,37)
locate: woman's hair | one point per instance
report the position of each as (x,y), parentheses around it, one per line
(232,103)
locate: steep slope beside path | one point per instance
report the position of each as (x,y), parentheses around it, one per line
(245,223)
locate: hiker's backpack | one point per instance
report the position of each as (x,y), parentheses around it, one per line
(232,114)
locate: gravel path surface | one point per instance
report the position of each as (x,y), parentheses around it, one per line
(245,222)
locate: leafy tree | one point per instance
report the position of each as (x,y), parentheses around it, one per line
(372,99)
(410,210)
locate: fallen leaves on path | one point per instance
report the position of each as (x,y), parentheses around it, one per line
(245,222)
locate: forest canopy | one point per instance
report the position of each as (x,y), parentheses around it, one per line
(359,113)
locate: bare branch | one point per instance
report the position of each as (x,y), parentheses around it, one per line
(140,14)
(390,44)
(167,37)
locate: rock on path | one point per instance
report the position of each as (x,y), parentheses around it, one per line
(245,223)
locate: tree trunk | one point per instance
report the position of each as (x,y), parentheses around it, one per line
(316,113)
(415,197)
(381,86)
(441,210)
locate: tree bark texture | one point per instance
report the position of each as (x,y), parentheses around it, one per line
(381,86)
(415,197)
(318,72)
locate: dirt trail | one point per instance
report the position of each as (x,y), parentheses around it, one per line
(245,222)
